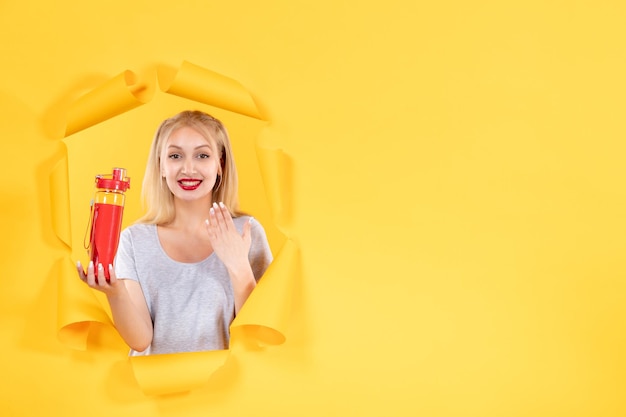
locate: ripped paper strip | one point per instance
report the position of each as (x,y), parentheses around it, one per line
(255,320)
(263,319)
(60,207)
(277,173)
(208,87)
(116,96)
(78,308)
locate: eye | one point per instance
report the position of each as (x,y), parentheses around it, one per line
(204,156)
(174,156)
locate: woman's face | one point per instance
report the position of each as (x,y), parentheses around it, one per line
(190,164)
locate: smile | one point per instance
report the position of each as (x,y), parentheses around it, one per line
(189,185)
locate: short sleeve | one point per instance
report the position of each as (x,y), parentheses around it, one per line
(125,266)
(260,253)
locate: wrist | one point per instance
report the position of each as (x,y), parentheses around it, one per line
(117,293)
(241,273)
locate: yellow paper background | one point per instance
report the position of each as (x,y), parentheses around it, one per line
(456,196)
(106,128)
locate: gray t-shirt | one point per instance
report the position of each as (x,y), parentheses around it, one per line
(191,304)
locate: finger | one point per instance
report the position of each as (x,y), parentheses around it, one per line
(91,276)
(213,222)
(102,282)
(219,217)
(247,227)
(223,216)
(226,215)
(81,272)
(211,227)
(228,219)
(112,276)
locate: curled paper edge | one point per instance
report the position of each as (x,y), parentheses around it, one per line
(60,201)
(205,86)
(265,322)
(276,170)
(116,96)
(77,309)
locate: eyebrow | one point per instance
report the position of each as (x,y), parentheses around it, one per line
(197,147)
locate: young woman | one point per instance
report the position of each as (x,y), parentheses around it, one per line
(183,271)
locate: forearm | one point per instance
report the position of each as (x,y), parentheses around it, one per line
(132,325)
(243,282)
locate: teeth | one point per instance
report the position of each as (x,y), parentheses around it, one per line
(190,183)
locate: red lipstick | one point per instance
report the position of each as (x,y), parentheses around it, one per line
(189,184)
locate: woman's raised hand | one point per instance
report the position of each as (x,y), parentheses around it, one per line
(231,247)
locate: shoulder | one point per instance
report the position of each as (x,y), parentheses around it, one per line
(139,240)
(256,226)
(259,245)
(138,231)
(260,255)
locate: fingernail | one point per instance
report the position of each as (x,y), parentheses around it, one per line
(100,266)
(212,210)
(206,221)
(222,204)
(78,264)
(90,264)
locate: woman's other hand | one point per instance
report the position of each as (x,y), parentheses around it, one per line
(109,287)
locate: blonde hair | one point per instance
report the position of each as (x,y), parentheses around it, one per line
(157,197)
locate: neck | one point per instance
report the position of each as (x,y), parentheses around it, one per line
(190,214)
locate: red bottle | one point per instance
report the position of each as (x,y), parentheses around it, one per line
(106,218)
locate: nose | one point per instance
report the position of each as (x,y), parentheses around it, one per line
(188,166)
